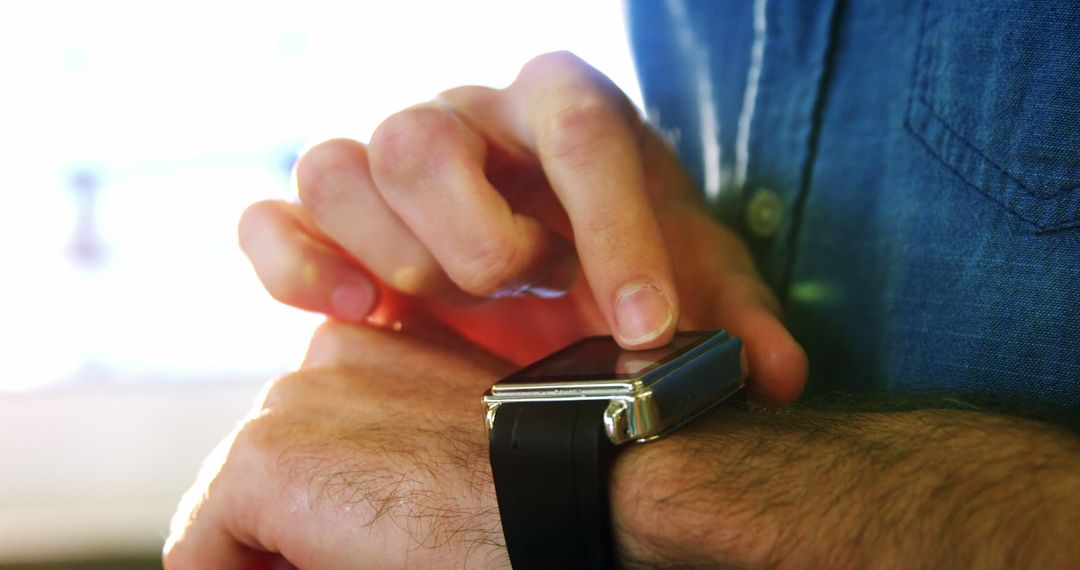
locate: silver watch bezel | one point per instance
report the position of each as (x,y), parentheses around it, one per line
(639,409)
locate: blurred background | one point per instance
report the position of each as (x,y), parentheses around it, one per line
(133,334)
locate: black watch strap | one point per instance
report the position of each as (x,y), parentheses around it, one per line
(551,462)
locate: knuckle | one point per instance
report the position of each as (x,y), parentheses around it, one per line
(327,345)
(407,146)
(317,169)
(570,133)
(555,65)
(283,402)
(488,267)
(570,77)
(276,393)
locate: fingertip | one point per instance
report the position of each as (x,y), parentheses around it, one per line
(326,159)
(353,300)
(325,282)
(298,269)
(778,368)
(777,363)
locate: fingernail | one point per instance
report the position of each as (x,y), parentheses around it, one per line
(642,313)
(351,302)
(558,280)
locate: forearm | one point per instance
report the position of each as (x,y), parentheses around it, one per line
(800,488)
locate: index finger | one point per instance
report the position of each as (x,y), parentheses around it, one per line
(586,136)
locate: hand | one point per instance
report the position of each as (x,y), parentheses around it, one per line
(373,455)
(504,196)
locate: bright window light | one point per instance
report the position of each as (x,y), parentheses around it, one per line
(134,134)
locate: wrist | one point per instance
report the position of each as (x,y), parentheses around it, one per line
(670,508)
(805,489)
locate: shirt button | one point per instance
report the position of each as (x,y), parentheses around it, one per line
(764,212)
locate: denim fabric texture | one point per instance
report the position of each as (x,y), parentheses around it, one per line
(927,158)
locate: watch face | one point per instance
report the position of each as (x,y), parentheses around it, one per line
(601,358)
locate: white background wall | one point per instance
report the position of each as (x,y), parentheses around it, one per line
(123,367)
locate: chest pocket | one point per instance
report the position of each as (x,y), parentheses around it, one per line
(996,98)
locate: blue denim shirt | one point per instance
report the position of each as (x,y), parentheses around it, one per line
(907,174)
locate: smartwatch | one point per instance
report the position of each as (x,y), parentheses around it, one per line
(554,426)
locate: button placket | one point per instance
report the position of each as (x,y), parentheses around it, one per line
(783,130)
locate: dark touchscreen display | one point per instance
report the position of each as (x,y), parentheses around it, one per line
(603,358)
